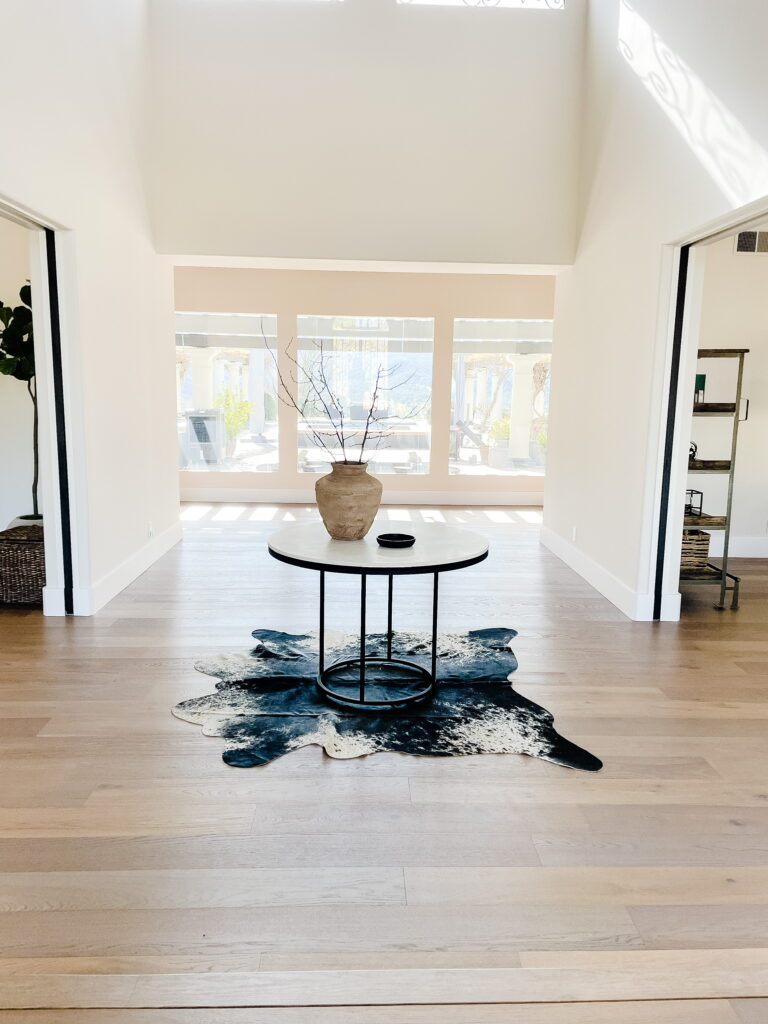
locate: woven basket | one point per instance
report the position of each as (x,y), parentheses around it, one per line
(22,565)
(695,549)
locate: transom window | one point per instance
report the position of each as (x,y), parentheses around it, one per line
(533,5)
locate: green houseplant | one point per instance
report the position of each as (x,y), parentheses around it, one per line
(237,412)
(17,359)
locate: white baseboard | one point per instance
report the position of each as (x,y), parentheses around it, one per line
(634,605)
(670,607)
(88,600)
(739,547)
(53,601)
(463,499)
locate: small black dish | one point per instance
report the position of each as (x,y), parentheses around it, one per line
(396,540)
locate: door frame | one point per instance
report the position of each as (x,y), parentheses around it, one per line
(51,382)
(684,320)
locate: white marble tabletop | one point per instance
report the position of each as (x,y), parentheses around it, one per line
(438,547)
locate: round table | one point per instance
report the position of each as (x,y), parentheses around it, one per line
(438,548)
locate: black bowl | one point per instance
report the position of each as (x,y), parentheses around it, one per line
(396,540)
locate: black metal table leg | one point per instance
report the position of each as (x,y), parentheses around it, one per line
(321,637)
(434,629)
(389,616)
(362,638)
(423,680)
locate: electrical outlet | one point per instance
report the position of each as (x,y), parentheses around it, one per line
(150,529)
(573,534)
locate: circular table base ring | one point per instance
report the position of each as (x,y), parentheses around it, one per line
(375,705)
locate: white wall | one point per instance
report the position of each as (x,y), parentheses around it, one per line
(735,315)
(366,130)
(675,135)
(16,461)
(71,92)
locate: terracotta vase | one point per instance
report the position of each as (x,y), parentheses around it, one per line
(348,500)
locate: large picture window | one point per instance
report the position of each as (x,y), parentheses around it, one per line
(500,396)
(354,349)
(226,392)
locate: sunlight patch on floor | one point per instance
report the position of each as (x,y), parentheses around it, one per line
(263,514)
(229,513)
(534,516)
(193,513)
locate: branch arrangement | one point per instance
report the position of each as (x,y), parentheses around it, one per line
(309,391)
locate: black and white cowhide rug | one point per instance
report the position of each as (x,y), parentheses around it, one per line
(267,704)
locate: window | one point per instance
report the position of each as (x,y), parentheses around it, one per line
(534,5)
(226,393)
(353,349)
(500,396)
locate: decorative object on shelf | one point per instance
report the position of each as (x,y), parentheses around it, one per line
(396,540)
(22,565)
(266,704)
(696,465)
(17,359)
(695,567)
(347,498)
(695,549)
(693,502)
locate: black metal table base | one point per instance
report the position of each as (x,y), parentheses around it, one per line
(424,680)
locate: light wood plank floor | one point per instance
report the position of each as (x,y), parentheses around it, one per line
(128,848)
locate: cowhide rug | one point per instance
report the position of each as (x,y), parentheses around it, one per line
(267,704)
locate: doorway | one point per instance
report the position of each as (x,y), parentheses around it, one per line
(37,472)
(713,506)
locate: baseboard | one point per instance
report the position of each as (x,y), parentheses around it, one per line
(670,607)
(462,499)
(634,605)
(88,600)
(53,601)
(739,547)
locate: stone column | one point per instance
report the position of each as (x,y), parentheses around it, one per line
(521,410)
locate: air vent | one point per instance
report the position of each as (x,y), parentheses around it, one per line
(752,242)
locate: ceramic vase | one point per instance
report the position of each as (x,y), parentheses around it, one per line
(348,499)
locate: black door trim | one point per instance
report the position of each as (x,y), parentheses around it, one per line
(669,439)
(60,418)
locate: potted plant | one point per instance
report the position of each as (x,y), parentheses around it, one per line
(237,412)
(498,439)
(17,359)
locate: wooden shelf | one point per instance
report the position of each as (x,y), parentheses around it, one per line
(709,465)
(704,522)
(721,353)
(696,529)
(701,574)
(714,409)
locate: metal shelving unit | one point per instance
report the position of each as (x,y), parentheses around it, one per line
(714,575)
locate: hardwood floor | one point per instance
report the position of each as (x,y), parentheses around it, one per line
(139,871)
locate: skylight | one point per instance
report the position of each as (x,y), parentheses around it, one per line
(533,5)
